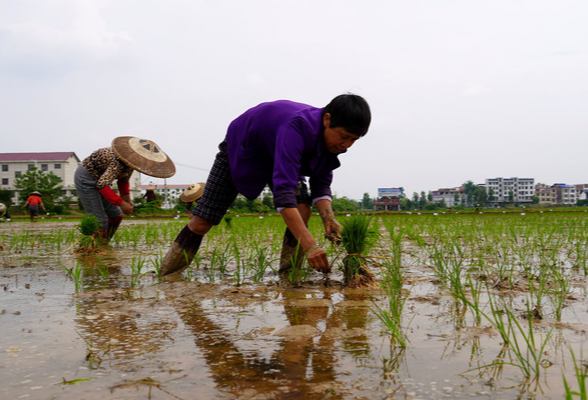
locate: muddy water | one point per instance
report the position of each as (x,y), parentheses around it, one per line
(269,340)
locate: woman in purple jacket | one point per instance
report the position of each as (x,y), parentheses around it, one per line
(276,144)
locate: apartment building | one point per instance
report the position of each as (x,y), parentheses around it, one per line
(582,191)
(546,194)
(448,195)
(565,194)
(507,190)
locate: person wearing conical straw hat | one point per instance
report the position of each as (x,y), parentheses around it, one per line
(150,195)
(275,144)
(33,203)
(4,211)
(101,168)
(191,194)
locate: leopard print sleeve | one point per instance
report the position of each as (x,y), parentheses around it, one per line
(105,167)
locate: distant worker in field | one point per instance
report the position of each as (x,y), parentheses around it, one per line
(275,144)
(33,203)
(101,168)
(190,195)
(4,212)
(150,195)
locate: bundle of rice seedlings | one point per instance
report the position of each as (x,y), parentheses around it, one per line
(89,225)
(358,238)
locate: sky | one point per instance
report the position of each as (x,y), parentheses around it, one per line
(459,90)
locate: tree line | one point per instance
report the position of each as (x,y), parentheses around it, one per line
(49,185)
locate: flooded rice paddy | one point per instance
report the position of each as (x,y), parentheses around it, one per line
(470,307)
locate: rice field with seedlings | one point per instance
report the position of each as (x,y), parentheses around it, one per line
(429,306)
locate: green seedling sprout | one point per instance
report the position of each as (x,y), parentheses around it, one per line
(357,238)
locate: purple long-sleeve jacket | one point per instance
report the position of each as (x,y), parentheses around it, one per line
(275,143)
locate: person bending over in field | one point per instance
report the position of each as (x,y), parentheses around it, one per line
(275,144)
(33,203)
(117,162)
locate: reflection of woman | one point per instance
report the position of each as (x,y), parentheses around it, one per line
(300,362)
(94,176)
(33,202)
(190,195)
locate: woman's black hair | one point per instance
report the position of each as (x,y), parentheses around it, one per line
(351,112)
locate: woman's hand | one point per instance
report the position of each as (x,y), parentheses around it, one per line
(126,208)
(317,259)
(333,231)
(332,227)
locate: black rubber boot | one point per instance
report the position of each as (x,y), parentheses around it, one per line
(182,252)
(291,252)
(113,224)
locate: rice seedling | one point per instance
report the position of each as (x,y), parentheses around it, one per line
(448,267)
(76,274)
(156,264)
(261,262)
(241,266)
(581,255)
(220,259)
(523,344)
(137,266)
(392,316)
(580,372)
(475,287)
(92,357)
(559,289)
(89,225)
(299,271)
(103,270)
(357,238)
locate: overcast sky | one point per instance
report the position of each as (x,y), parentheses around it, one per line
(459,90)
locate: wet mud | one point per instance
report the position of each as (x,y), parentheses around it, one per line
(192,339)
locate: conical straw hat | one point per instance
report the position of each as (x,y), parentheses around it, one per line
(144,156)
(35,193)
(2,207)
(192,192)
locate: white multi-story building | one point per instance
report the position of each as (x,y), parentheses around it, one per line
(62,164)
(506,190)
(566,194)
(447,195)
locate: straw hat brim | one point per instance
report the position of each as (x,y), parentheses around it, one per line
(36,194)
(192,192)
(2,207)
(144,156)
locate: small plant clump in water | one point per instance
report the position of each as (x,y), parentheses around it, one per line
(357,238)
(88,227)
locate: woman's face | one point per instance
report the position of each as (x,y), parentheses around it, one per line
(337,139)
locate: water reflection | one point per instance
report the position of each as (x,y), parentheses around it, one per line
(303,365)
(260,342)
